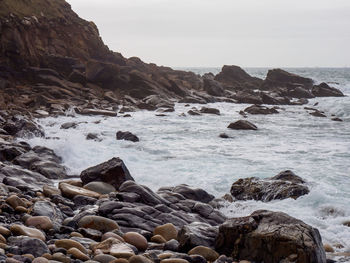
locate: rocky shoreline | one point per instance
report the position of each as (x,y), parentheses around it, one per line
(106,216)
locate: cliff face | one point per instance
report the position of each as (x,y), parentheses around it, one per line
(34,32)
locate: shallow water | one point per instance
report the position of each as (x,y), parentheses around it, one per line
(176,149)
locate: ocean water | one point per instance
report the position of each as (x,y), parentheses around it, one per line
(176,149)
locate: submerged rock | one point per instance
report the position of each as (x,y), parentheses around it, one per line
(284,185)
(113,172)
(273,237)
(242,125)
(209,110)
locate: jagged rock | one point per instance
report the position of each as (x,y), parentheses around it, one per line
(26,245)
(128,136)
(192,193)
(113,172)
(210,110)
(10,151)
(197,234)
(247,97)
(23,179)
(22,127)
(242,125)
(213,87)
(285,185)
(267,236)
(77,77)
(278,78)
(236,77)
(324,90)
(192,99)
(258,109)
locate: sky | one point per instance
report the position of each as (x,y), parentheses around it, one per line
(212,33)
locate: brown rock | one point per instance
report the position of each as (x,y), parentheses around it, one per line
(71,191)
(76,253)
(137,240)
(40,260)
(69,243)
(174,260)
(167,231)
(158,239)
(328,248)
(27,231)
(98,222)
(41,222)
(15,201)
(208,253)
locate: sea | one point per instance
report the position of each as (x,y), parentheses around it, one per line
(174,149)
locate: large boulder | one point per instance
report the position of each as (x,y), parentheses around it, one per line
(113,172)
(280,78)
(236,77)
(284,185)
(213,87)
(127,136)
(197,234)
(272,237)
(323,90)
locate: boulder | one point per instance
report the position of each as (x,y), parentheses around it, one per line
(278,78)
(210,110)
(324,90)
(113,172)
(242,125)
(236,77)
(70,191)
(258,109)
(27,245)
(193,193)
(98,222)
(197,234)
(128,136)
(273,237)
(284,185)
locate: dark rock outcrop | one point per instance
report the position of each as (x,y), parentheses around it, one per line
(258,109)
(274,237)
(210,110)
(128,136)
(113,172)
(324,90)
(284,185)
(242,125)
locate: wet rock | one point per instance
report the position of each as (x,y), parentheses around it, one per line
(158,239)
(27,231)
(96,112)
(194,112)
(113,172)
(8,152)
(210,111)
(48,209)
(104,258)
(50,191)
(285,185)
(20,126)
(172,245)
(76,253)
(27,245)
(318,113)
(192,193)
(69,125)
(208,253)
(40,222)
(98,222)
(247,97)
(139,259)
(100,187)
(197,234)
(137,240)
(70,191)
(224,136)
(267,236)
(146,195)
(324,90)
(258,109)
(23,179)
(15,201)
(115,248)
(192,99)
(69,243)
(337,119)
(242,125)
(128,136)
(167,231)
(93,136)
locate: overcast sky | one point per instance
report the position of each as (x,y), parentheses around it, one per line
(273,33)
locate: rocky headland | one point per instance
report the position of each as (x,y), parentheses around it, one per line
(53,62)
